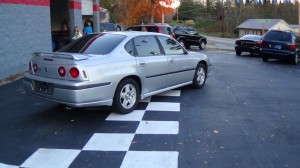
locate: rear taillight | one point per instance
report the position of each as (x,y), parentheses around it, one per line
(259,43)
(237,42)
(35,68)
(61,71)
(292,47)
(74,72)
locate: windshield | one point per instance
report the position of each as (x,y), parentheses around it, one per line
(94,44)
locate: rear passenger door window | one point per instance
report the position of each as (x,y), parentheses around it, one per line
(146,46)
(170,46)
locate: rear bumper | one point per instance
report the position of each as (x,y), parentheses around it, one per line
(74,94)
(247,49)
(277,54)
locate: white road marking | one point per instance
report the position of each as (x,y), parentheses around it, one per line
(163,106)
(109,142)
(50,158)
(158,127)
(150,159)
(136,115)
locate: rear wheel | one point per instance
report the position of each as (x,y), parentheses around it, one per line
(126,96)
(265,58)
(200,76)
(181,42)
(295,60)
(187,46)
(238,52)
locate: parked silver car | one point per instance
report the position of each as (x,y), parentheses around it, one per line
(114,69)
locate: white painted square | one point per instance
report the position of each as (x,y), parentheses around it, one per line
(163,106)
(46,158)
(147,99)
(7,166)
(158,127)
(150,159)
(109,142)
(136,115)
(175,93)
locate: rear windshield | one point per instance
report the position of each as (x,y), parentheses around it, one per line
(251,37)
(278,36)
(94,44)
(149,28)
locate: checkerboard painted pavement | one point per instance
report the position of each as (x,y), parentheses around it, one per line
(137,149)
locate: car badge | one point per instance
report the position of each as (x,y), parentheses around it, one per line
(270,45)
(46,69)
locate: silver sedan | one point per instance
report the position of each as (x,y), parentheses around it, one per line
(114,69)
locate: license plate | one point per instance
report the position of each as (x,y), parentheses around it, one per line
(42,87)
(276,47)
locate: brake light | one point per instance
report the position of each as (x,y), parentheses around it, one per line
(74,72)
(292,47)
(238,42)
(61,71)
(35,67)
(259,43)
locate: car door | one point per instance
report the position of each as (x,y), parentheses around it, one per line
(194,37)
(181,64)
(152,65)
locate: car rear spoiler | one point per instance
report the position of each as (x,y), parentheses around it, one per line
(61,55)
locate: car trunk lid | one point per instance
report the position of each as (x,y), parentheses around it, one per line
(49,64)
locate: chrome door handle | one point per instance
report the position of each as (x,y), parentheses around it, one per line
(142,63)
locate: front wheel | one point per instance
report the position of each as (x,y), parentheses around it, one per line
(126,96)
(200,76)
(202,45)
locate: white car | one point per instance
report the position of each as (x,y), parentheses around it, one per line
(114,69)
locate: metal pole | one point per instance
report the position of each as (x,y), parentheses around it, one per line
(177,15)
(298,17)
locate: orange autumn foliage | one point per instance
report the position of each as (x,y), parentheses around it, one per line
(132,12)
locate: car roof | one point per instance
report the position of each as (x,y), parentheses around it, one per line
(148,25)
(132,33)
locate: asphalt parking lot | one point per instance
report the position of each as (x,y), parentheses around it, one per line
(247,115)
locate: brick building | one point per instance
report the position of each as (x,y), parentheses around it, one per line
(37,25)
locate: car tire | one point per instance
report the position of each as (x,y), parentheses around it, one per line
(265,58)
(238,53)
(126,96)
(295,60)
(202,45)
(181,41)
(252,54)
(200,76)
(118,28)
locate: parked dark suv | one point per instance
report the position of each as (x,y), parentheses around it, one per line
(158,28)
(188,37)
(283,45)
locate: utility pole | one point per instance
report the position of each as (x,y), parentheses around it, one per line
(152,15)
(298,17)
(222,18)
